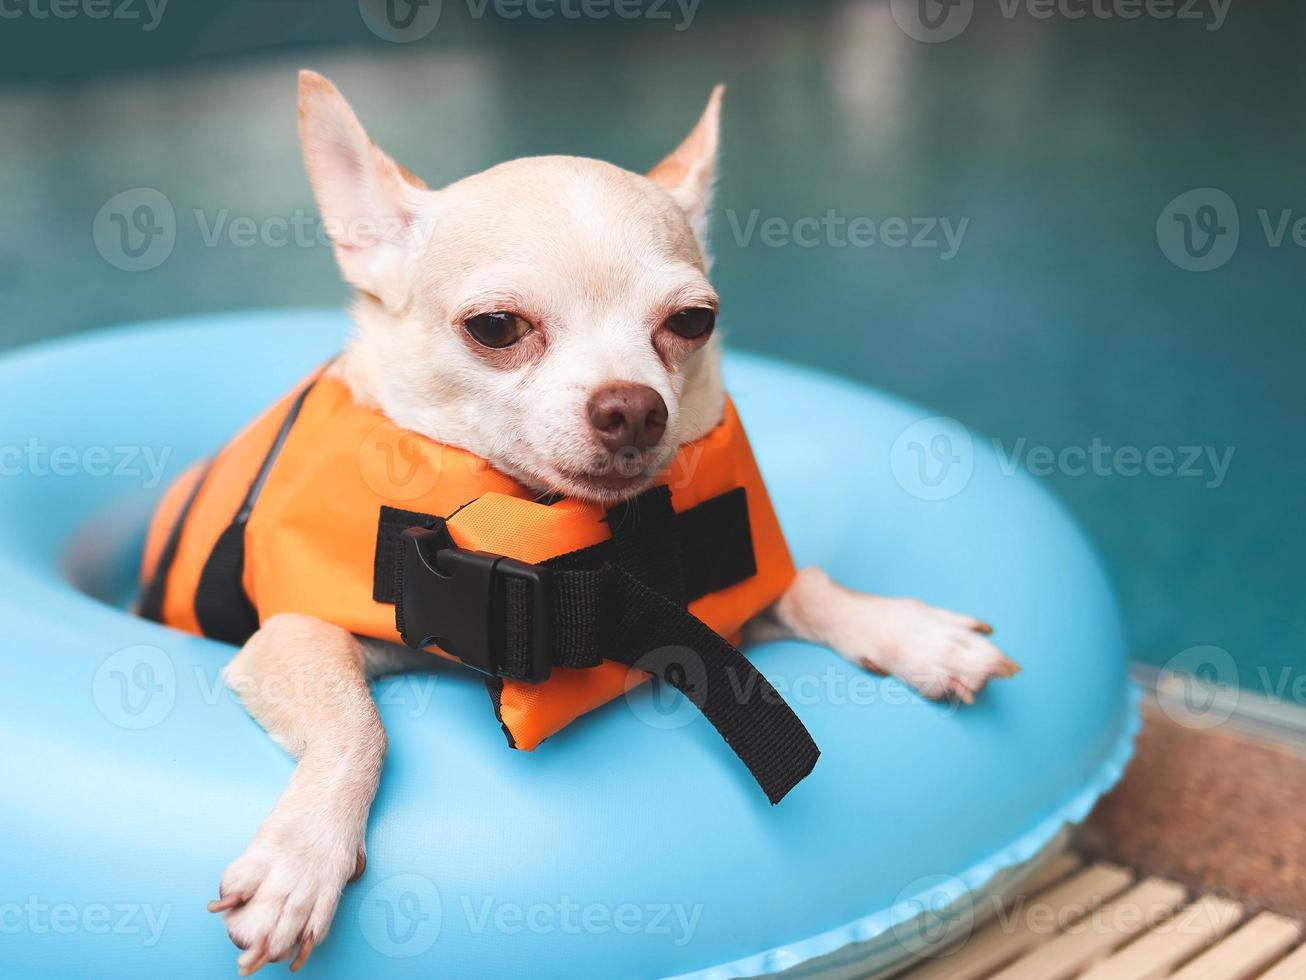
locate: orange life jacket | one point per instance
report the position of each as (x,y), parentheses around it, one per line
(324,507)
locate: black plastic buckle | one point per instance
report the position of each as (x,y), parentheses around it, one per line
(448,595)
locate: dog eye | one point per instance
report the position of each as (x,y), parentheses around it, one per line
(693,323)
(497,330)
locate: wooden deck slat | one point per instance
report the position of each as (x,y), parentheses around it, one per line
(1247,952)
(1056,869)
(1099,934)
(1183,936)
(1293,967)
(1030,922)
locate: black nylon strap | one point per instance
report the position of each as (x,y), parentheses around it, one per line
(222,608)
(392,522)
(157,591)
(716,544)
(714,541)
(646,542)
(609,614)
(649,632)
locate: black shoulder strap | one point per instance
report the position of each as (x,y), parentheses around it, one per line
(644,629)
(157,591)
(222,608)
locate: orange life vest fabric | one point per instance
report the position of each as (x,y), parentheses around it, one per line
(311,537)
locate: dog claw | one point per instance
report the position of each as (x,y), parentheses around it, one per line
(360,867)
(872,667)
(254,959)
(305,950)
(225,903)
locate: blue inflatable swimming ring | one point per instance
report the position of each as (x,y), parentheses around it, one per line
(631,845)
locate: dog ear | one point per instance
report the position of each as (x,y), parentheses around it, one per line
(369,203)
(687,174)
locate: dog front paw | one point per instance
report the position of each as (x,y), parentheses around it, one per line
(942,654)
(280,896)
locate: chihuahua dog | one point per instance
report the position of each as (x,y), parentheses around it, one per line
(493,315)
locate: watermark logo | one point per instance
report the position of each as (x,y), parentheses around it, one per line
(400,21)
(678,696)
(399,465)
(933,459)
(401,916)
(136,230)
(1198,230)
(933,914)
(136,687)
(1198,688)
(932,21)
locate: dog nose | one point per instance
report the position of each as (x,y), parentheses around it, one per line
(626,415)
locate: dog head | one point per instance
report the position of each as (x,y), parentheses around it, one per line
(552,315)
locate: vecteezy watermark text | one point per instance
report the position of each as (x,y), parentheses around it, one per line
(404,915)
(39,917)
(149,12)
(676,921)
(404,21)
(934,459)
(1210,13)
(1100,459)
(138,686)
(835,230)
(136,230)
(35,458)
(934,21)
(680,13)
